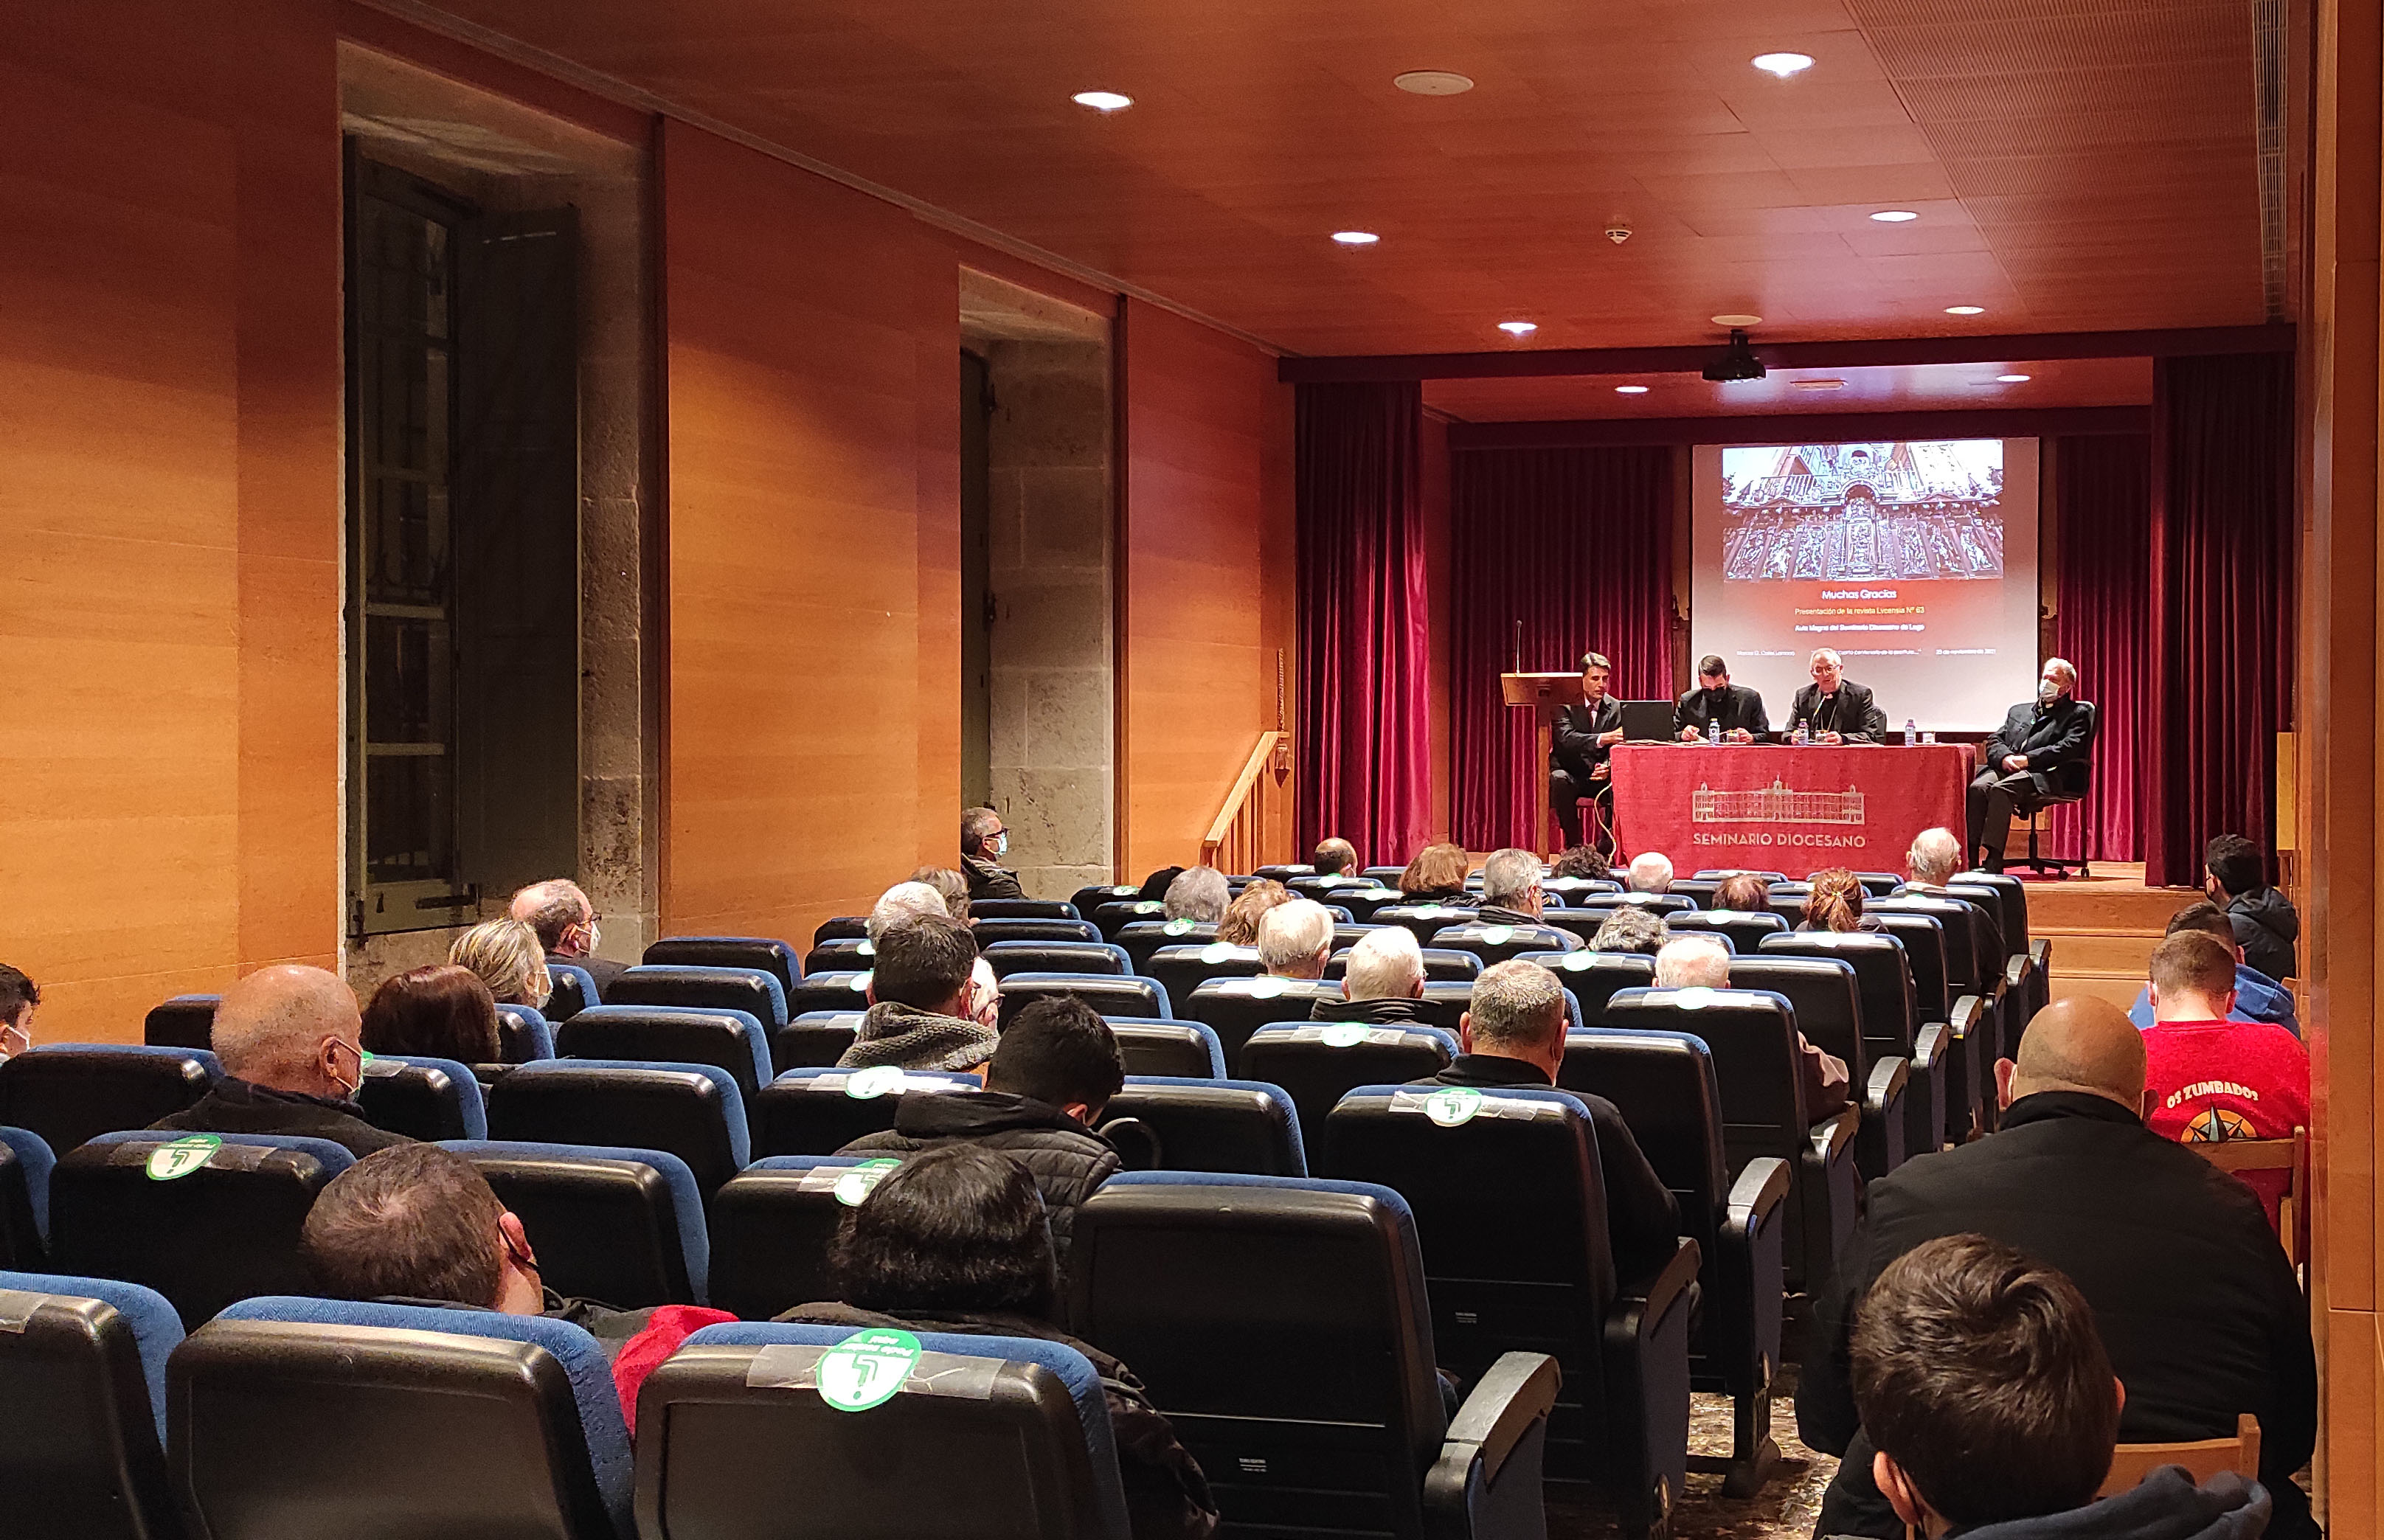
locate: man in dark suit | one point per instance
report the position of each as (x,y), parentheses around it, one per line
(2195,1301)
(2041,749)
(1833,708)
(1580,745)
(1737,709)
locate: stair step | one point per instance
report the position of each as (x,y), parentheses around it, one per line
(2101,951)
(2119,989)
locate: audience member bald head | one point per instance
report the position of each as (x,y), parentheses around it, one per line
(2082,1044)
(291,1029)
(1692,963)
(1296,938)
(904,901)
(559,910)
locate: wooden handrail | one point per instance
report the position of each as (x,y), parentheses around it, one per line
(1237,840)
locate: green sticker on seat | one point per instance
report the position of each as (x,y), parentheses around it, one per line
(1344,1035)
(183,1156)
(866,1369)
(1149,906)
(1452,1105)
(1180,926)
(861,1180)
(873,1082)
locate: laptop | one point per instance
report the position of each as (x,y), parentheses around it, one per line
(1647,721)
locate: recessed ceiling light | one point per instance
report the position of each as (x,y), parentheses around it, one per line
(1818,384)
(2013,378)
(1783,65)
(1966,310)
(1434,82)
(1729,318)
(1356,237)
(1518,328)
(1895,216)
(1102,100)
(1631,390)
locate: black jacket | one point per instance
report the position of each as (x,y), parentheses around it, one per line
(603,970)
(2267,926)
(988,881)
(1066,1158)
(2053,737)
(1734,706)
(1572,742)
(1166,1496)
(2165,1506)
(234,1106)
(1497,914)
(1642,1219)
(2197,1306)
(1384,1011)
(1853,714)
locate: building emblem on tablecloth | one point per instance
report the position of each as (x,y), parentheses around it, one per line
(1775,803)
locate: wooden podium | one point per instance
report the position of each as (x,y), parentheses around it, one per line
(1548,695)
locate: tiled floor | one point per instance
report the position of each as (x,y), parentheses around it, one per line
(1784,1509)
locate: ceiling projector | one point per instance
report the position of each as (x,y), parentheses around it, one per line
(1737,362)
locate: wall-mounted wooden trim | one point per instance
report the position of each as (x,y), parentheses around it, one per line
(482,70)
(1815,427)
(1865,353)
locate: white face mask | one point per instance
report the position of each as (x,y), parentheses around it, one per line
(1001,843)
(2047,691)
(595,938)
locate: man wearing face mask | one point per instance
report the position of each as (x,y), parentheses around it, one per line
(558,909)
(17,998)
(983,842)
(287,1038)
(2031,756)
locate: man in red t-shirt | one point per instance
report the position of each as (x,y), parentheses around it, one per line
(2208,1078)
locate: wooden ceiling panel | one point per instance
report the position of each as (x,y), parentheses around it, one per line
(1923,387)
(2083,163)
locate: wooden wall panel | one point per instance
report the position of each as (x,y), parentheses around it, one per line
(813,396)
(170,526)
(1207,562)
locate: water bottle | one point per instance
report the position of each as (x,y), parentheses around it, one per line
(1713,729)
(1911,732)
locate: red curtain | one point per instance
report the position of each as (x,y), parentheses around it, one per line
(2102,493)
(1577,545)
(2222,607)
(1365,760)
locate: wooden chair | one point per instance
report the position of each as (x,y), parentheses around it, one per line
(2241,1155)
(2130,1463)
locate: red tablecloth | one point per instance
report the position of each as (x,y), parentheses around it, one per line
(1776,808)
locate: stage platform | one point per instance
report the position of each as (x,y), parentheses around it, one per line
(2103,928)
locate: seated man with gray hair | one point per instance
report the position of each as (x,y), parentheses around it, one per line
(1295,939)
(1510,890)
(1634,930)
(1702,963)
(2040,751)
(1197,893)
(290,1040)
(1651,871)
(1383,984)
(1935,856)
(1514,1036)
(565,922)
(904,901)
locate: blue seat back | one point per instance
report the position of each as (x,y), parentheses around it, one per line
(422,1097)
(82,1408)
(1742,930)
(771,1224)
(1142,938)
(987,932)
(1215,1125)
(842,927)
(523,1035)
(1117,914)
(1825,994)
(840,954)
(767,953)
(1752,1036)
(1592,978)
(815,1039)
(732,1040)
(1663,1084)
(1175,1050)
(185,1020)
(574,991)
(1056,957)
(68,1092)
(752,990)
(1427,920)
(1318,1062)
(1445,963)
(1085,899)
(1923,937)
(1237,1006)
(618,1225)
(1130,996)
(1495,943)
(1183,968)
(691,1110)
(1021,909)
(818,1111)
(842,990)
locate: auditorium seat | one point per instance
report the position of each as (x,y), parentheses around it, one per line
(1130,996)
(1425,919)
(691,1110)
(293,1416)
(1593,977)
(1446,1001)
(1118,913)
(1348,933)
(1285,871)
(840,927)
(808,1111)
(2012,896)
(1923,939)
(1742,930)
(1572,890)
(82,1408)
(829,991)
(1310,884)
(1282,1328)
(734,1438)
(1142,938)
(726,1039)
(422,1097)
(1827,999)
(1318,1062)
(219,1228)
(1698,891)
(574,991)
(1753,1039)
(1663,1084)
(1056,957)
(771,1226)
(989,931)
(1021,909)
(68,1092)
(26,1161)
(1889,1027)
(814,1040)
(1387,875)
(1495,943)
(754,991)
(607,1223)
(1878,884)
(1716,875)
(1183,968)
(1237,1006)
(1236,1125)
(856,954)
(185,1020)
(1176,1051)
(1439,962)
(1085,899)
(1509,1205)
(767,953)
(1365,904)
(523,1035)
